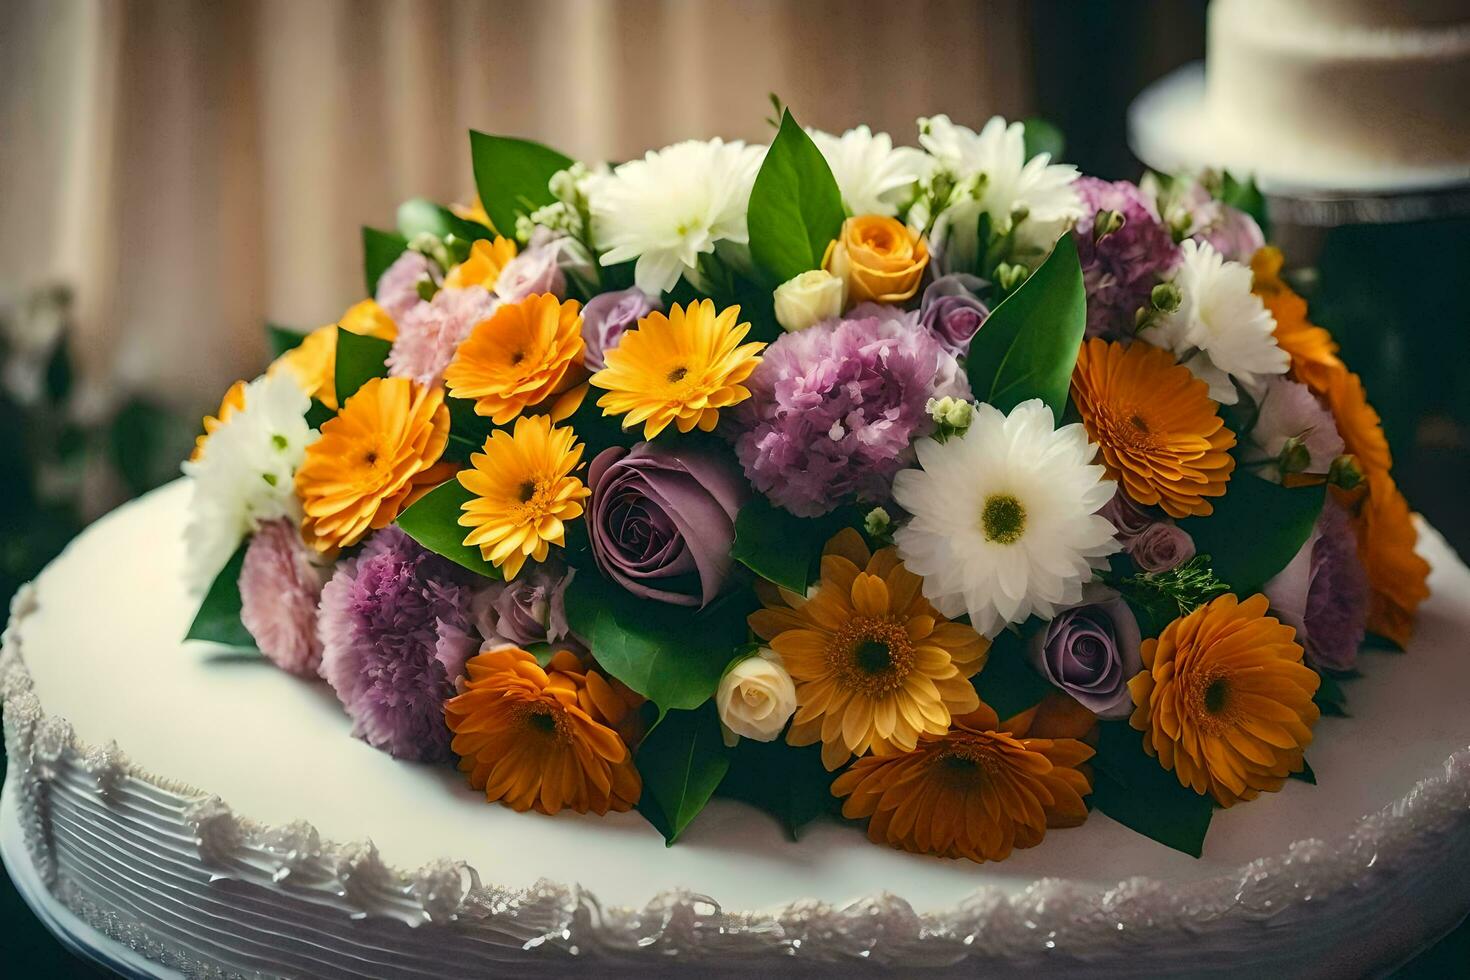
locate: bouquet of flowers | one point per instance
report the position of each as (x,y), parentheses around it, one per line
(938,487)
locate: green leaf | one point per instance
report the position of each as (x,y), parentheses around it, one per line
(513,176)
(1028,345)
(1331,699)
(1306,775)
(1247,197)
(1042,136)
(318,414)
(1009,683)
(781,547)
(1281,519)
(1131,787)
(795,206)
(419,216)
(682,762)
(218,618)
(359,360)
(380,249)
(672,655)
(433,521)
(790,783)
(283,339)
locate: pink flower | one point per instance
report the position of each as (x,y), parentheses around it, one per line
(430,333)
(279,588)
(534,271)
(398,286)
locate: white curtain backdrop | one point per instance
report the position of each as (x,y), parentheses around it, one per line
(193,168)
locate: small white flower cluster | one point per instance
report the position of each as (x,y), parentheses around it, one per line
(245,474)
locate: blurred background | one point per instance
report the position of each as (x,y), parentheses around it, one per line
(176,173)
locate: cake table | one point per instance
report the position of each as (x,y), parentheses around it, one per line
(187,809)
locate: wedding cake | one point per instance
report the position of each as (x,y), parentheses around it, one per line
(800,557)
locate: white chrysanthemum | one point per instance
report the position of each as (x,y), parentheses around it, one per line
(995,178)
(1005,520)
(874,176)
(245,474)
(1221,329)
(672,206)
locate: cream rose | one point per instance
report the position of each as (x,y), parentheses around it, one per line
(756,697)
(809,298)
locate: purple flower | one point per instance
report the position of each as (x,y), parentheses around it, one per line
(1160,547)
(534,271)
(530,609)
(1129,519)
(430,333)
(661,521)
(396,629)
(1120,268)
(835,408)
(952,312)
(1235,234)
(279,587)
(606,318)
(1323,592)
(1091,652)
(398,286)
(1293,431)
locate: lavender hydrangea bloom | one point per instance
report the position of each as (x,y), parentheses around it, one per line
(834,408)
(1323,592)
(398,286)
(1121,268)
(430,333)
(1290,416)
(396,628)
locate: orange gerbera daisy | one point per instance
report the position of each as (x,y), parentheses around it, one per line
(1224,700)
(524,492)
(234,400)
(373,459)
(681,368)
(1397,576)
(1312,350)
(523,355)
(1357,422)
(314,360)
(541,738)
(875,665)
(977,791)
(487,259)
(1160,432)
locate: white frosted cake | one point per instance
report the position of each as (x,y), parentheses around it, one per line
(196,811)
(1322,94)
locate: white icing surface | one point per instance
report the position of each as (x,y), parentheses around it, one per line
(249,887)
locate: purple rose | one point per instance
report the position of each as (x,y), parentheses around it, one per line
(606,317)
(952,312)
(1161,547)
(530,609)
(1129,519)
(1322,593)
(536,270)
(1091,652)
(661,521)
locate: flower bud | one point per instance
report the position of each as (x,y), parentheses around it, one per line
(1294,457)
(1008,277)
(878,525)
(756,697)
(809,298)
(951,415)
(1107,222)
(1166,297)
(1345,472)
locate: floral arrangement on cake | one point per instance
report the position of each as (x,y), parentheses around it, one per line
(939,488)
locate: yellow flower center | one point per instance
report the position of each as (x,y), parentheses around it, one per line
(872,655)
(1003,519)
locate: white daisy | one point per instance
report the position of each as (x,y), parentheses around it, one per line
(874,176)
(1005,520)
(1034,198)
(245,474)
(1221,329)
(671,207)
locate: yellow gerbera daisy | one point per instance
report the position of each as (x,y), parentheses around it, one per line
(473,212)
(486,261)
(234,400)
(314,360)
(527,353)
(681,368)
(378,455)
(524,493)
(875,665)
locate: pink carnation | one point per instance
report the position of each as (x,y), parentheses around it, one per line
(430,333)
(279,588)
(398,286)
